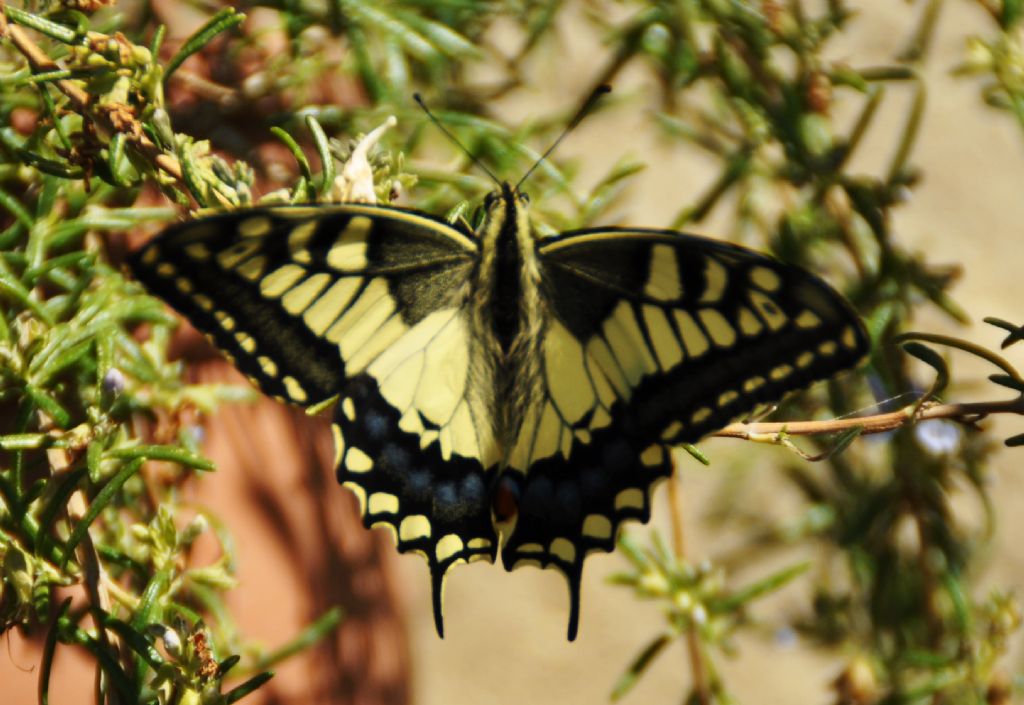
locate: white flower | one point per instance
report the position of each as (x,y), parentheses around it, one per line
(355,182)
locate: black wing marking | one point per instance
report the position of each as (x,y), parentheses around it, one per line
(656,338)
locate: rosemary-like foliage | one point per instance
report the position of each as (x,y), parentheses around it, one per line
(98,432)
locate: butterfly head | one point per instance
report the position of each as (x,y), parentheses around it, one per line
(504,205)
(506,197)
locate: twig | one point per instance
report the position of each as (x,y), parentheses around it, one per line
(675,500)
(879,423)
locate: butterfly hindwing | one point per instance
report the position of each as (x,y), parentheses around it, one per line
(654,338)
(434,499)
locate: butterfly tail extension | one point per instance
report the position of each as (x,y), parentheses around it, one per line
(570,506)
(433,505)
(437,580)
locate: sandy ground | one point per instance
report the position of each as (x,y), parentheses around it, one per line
(505,640)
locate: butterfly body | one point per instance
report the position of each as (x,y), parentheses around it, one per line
(496,389)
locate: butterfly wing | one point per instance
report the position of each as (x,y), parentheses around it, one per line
(654,338)
(368,304)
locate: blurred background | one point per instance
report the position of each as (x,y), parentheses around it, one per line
(910,539)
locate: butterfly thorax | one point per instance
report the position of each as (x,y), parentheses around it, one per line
(508,312)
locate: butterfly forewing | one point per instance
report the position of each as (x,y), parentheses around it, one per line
(693,331)
(301,297)
(654,338)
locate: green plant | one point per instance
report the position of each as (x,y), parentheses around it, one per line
(85,127)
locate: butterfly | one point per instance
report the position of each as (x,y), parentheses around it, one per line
(497,390)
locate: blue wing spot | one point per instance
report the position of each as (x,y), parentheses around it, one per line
(417,485)
(376,425)
(446,501)
(472,489)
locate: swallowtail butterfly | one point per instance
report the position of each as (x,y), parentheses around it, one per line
(498,390)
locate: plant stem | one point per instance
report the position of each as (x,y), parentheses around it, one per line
(675,499)
(968,412)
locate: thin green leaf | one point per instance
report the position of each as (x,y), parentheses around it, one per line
(149,600)
(1016,385)
(46,76)
(168,453)
(441,36)
(65,486)
(396,73)
(696,453)
(11,235)
(16,78)
(236,694)
(864,119)
(158,40)
(93,456)
(60,416)
(103,498)
(961,602)
(964,345)
(633,552)
(42,25)
(221,22)
(192,176)
(1016,333)
(843,440)
(108,660)
(323,149)
(309,636)
(14,207)
(375,88)
(25,441)
(1014,441)
(762,587)
(227,664)
(382,22)
(899,161)
(50,166)
(1011,13)
(138,643)
(49,649)
(77,260)
(640,664)
(65,359)
(296,150)
(116,162)
(12,289)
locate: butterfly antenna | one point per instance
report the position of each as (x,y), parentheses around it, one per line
(454,139)
(587,106)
